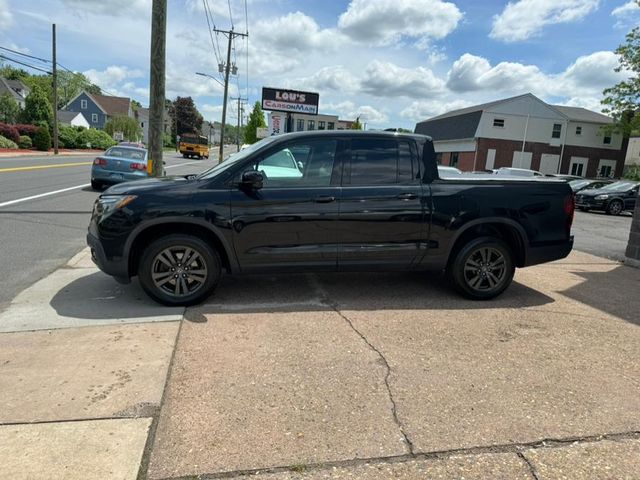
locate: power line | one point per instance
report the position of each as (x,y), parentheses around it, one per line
(207,14)
(25,55)
(230,15)
(3,57)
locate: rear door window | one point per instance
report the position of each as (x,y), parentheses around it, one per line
(381,161)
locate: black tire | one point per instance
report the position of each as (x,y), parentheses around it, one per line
(184,155)
(615,207)
(96,185)
(482,269)
(190,290)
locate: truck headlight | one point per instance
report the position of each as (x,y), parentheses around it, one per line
(107,204)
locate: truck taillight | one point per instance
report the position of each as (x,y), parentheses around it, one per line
(138,166)
(569,210)
(100,161)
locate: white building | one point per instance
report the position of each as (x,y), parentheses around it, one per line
(75,119)
(526,132)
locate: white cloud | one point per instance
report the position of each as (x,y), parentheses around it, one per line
(384,79)
(628,8)
(336,78)
(113,76)
(421,110)
(348,110)
(112,7)
(382,22)
(592,72)
(6,17)
(526,18)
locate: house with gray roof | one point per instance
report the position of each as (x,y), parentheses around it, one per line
(15,89)
(75,119)
(525,132)
(98,109)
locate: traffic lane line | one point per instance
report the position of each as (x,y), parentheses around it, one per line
(42,167)
(68,189)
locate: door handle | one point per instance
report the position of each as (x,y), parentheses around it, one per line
(325,199)
(407,196)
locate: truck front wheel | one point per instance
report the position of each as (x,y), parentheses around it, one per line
(483,268)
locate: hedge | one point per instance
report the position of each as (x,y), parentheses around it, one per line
(25,141)
(93,138)
(24,129)
(10,132)
(42,141)
(6,143)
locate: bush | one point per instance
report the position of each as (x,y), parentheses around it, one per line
(6,143)
(24,129)
(25,141)
(93,138)
(633,173)
(42,141)
(10,132)
(68,136)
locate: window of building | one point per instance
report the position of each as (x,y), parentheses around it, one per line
(578,130)
(453,162)
(331,126)
(83,104)
(321,125)
(607,139)
(498,122)
(439,158)
(300,125)
(94,118)
(557,130)
(311,125)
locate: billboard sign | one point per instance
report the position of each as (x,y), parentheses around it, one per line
(293,101)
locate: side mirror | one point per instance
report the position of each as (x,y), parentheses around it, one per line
(252,180)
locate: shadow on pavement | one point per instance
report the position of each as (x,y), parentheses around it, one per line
(354,291)
(99,297)
(614,292)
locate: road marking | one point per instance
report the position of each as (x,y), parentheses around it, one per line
(33,197)
(68,189)
(42,167)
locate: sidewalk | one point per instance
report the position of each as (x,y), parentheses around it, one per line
(314,376)
(5,152)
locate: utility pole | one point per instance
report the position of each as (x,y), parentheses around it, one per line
(239,99)
(55,92)
(156,87)
(230,35)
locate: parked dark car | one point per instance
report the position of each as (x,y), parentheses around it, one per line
(587,183)
(614,198)
(350,201)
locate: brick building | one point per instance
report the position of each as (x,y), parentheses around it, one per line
(526,132)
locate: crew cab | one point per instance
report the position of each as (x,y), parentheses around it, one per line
(328,201)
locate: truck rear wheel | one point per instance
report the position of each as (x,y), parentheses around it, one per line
(179,270)
(483,268)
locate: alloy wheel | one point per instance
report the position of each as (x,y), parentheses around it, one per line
(485,269)
(179,271)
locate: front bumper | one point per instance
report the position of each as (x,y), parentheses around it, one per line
(590,202)
(117,267)
(548,252)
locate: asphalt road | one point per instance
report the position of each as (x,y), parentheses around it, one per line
(39,235)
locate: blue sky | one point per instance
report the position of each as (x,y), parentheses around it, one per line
(392,62)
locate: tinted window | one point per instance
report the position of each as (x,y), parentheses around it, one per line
(128,153)
(307,164)
(374,161)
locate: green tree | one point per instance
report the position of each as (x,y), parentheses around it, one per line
(70,84)
(9,109)
(256,120)
(356,125)
(42,140)
(127,125)
(37,107)
(186,118)
(11,73)
(622,101)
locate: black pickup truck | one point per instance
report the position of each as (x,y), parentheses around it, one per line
(328,201)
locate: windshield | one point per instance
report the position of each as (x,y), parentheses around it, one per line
(619,186)
(575,184)
(124,152)
(235,158)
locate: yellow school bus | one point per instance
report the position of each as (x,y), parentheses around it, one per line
(192,145)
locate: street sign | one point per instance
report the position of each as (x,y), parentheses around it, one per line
(118,136)
(293,101)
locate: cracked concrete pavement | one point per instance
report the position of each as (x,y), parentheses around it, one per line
(313,376)
(325,376)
